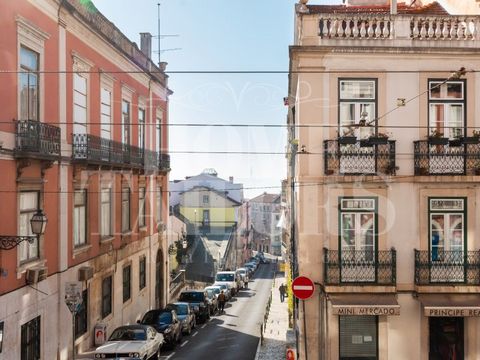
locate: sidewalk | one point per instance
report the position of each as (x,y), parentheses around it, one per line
(274,344)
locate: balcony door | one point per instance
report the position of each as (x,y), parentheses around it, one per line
(358,240)
(447,239)
(79,104)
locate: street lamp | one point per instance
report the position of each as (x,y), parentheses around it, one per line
(38,222)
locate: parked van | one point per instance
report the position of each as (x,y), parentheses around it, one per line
(243,274)
(229,278)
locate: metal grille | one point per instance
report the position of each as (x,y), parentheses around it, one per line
(448,267)
(38,138)
(164,162)
(359,266)
(446,159)
(359,158)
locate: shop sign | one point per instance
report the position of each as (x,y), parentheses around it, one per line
(452,312)
(366,310)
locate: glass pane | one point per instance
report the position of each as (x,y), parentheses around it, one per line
(348,231)
(438,235)
(79,114)
(80,99)
(80,83)
(436,118)
(456,232)
(105,110)
(455,120)
(105,195)
(105,96)
(454,90)
(435,90)
(28,59)
(356,89)
(367,232)
(28,200)
(80,197)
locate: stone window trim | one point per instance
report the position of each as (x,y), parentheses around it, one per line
(33,37)
(127,94)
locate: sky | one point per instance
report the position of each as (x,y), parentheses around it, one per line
(221,35)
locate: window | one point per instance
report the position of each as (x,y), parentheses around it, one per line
(80,218)
(141,206)
(159,203)
(357,102)
(142,272)
(206,217)
(79,104)
(127,290)
(28,80)
(105,113)
(106,212)
(158,135)
(206,199)
(358,337)
(106,296)
(446,103)
(141,128)
(125,122)
(126,209)
(81,316)
(358,234)
(29,204)
(30,340)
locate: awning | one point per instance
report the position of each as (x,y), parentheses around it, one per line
(364,304)
(450,305)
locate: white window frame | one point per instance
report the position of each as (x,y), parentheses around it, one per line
(141,127)
(158,131)
(107,85)
(142,214)
(127,96)
(159,200)
(77,217)
(103,226)
(25,247)
(33,37)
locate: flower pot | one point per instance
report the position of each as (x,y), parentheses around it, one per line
(470,140)
(455,142)
(438,140)
(347,140)
(378,140)
(365,143)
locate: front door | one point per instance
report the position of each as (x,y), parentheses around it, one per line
(159,279)
(446,338)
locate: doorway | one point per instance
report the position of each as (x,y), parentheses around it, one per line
(446,338)
(159,279)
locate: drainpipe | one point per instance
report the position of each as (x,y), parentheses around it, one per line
(393,7)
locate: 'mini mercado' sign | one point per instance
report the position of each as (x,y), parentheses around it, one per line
(366,310)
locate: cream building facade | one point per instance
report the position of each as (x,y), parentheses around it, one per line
(384,168)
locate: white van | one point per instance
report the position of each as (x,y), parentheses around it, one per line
(243,274)
(229,278)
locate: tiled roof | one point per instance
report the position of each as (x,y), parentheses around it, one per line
(266,198)
(431,9)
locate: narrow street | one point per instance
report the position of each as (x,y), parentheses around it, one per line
(235,334)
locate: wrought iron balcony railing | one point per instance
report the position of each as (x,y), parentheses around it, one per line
(96,150)
(164,162)
(429,159)
(447,267)
(34,138)
(359,158)
(360,267)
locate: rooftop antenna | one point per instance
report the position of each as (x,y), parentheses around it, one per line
(160,36)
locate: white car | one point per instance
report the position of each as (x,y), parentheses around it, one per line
(131,342)
(228,278)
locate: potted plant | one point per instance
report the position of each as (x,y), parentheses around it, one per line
(380,139)
(474,139)
(347,139)
(456,142)
(436,138)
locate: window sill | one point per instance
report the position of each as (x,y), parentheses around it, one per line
(107,239)
(24,266)
(127,302)
(142,228)
(126,235)
(81,249)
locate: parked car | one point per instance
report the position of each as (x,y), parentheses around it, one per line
(251,266)
(228,278)
(185,314)
(198,300)
(166,322)
(132,342)
(212,299)
(243,273)
(226,290)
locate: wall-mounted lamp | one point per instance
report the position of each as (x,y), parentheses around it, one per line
(38,223)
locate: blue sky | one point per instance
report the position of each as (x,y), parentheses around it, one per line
(221,35)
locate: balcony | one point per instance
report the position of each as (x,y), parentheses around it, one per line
(95,150)
(448,159)
(164,163)
(447,267)
(359,158)
(385,30)
(359,267)
(37,140)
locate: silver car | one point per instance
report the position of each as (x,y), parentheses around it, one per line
(186,315)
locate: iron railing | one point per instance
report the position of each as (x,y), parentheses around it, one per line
(447,267)
(429,159)
(164,162)
(35,137)
(96,150)
(360,267)
(359,158)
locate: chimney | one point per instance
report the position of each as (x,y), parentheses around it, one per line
(230,179)
(146,44)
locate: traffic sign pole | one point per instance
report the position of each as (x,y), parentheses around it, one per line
(303,289)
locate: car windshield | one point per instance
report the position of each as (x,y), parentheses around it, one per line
(225,277)
(182,309)
(210,293)
(128,334)
(191,296)
(215,290)
(242,271)
(154,317)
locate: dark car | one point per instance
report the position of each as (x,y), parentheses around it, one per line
(185,314)
(166,322)
(198,300)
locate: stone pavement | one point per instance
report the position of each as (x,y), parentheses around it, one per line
(274,344)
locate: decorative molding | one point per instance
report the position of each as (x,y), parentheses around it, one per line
(29,29)
(81,63)
(127,92)
(106,80)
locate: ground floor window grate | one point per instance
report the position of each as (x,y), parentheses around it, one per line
(358,337)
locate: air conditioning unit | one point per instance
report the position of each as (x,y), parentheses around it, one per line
(36,275)
(85,273)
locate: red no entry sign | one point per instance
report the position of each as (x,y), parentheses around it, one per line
(290,354)
(303,287)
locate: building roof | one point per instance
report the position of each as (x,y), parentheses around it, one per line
(223,194)
(266,198)
(433,8)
